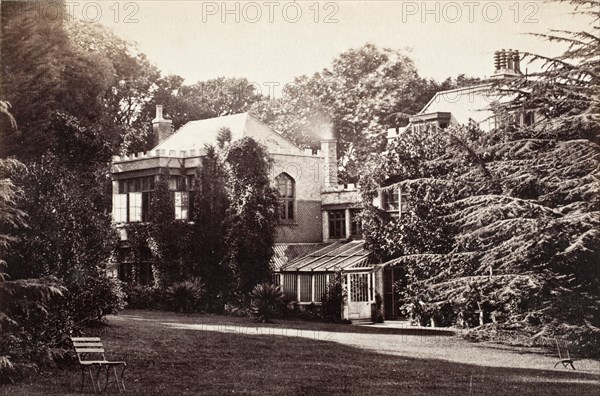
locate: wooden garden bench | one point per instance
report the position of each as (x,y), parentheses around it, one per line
(563,354)
(90,354)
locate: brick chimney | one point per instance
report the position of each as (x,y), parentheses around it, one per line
(162,128)
(329,149)
(507,64)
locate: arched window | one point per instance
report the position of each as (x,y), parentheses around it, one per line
(286,187)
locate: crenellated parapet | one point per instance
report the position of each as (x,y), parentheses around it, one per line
(159,153)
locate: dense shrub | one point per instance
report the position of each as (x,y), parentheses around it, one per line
(185,296)
(333,299)
(31,328)
(144,296)
(266,301)
(95,296)
(240,311)
(310,312)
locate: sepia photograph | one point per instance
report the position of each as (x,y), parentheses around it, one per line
(300,197)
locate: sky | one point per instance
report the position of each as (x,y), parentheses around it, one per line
(271,42)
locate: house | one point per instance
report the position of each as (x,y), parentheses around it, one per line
(474,105)
(313,208)
(318,234)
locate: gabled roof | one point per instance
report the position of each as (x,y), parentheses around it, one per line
(196,134)
(464,103)
(335,257)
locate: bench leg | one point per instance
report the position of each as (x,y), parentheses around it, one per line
(82,379)
(106,374)
(92,378)
(98,378)
(119,379)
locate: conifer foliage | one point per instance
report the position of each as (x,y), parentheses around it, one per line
(503,228)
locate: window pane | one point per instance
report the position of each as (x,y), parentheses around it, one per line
(135,206)
(285,187)
(337,224)
(172,183)
(290,285)
(282,210)
(403,203)
(359,287)
(320,286)
(120,208)
(391,200)
(305,287)
(181,205)
(145,206)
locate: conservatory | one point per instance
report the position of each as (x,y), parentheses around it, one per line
(305,279)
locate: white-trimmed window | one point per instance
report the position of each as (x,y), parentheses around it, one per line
(135,206)
(181,205)
(391,200)
(394,200)
(360,288)
(119,208)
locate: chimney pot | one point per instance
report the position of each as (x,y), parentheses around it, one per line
(517,61)
(159,111)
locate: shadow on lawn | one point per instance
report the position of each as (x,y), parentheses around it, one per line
(172,361)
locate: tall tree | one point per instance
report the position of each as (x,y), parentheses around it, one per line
(504,222)
(32,63)
(251,216)
(210,208)
(362,94)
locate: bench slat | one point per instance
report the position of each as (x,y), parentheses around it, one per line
(84,344)
(89,350)
(102,363)
(85,338)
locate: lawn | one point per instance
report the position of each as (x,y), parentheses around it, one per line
(193,354)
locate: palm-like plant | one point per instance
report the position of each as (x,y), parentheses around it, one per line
(185,296)
(266,301)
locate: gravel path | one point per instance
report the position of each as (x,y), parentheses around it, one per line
(442,347)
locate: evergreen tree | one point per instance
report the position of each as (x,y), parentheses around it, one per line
(517,209)
(251,216)
(210,208)
(166,238)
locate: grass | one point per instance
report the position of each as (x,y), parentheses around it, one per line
(171,360)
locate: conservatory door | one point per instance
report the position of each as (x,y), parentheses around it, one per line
(360,295)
